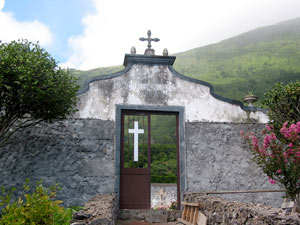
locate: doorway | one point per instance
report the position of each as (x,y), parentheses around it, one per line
(149,154)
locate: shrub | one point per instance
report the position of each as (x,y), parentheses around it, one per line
(280,160)
(36,208)
(283,102)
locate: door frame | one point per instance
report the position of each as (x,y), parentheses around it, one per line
(181,141)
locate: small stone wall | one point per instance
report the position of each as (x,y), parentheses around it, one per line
(78,154)
(219,211)
(162,195)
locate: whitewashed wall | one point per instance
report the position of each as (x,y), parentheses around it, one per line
(157,85)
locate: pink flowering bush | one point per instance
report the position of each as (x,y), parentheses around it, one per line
(280,160)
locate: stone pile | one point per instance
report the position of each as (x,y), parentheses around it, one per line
(100,210)
(219,211)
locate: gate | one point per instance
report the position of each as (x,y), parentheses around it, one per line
(135,185)
(135,155)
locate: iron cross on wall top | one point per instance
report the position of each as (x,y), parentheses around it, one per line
(149,51)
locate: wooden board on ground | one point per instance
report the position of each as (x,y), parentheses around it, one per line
(191,215)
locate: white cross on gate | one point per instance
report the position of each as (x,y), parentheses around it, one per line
(136,131)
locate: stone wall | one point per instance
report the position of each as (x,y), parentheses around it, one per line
(77,154)
(219,211)
(162,195)
(80,156)
(217,159)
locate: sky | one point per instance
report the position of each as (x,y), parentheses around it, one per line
(87,34)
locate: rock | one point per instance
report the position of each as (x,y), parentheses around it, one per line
(81,216)
(100,222)
(220,211)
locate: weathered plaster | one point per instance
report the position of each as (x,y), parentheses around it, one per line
(158,85)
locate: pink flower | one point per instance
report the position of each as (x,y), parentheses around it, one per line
(241,132)
(267,141)
(272,181)
(273,136)
(254,141)
(268,127)
(290,145)
(278,171)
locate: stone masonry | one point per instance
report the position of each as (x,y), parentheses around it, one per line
(218,159)
(77,154)
(220,211)
(80,156)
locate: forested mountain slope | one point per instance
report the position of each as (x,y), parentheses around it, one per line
(252,61)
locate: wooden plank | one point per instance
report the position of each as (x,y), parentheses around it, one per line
(195,219)
(184,213)
(188,213)
(183,221)
(192,215)
(190,203)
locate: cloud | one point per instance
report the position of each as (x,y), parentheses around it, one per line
(116,25)
(11,29)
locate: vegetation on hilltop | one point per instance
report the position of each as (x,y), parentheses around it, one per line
(84,75)
(252,61)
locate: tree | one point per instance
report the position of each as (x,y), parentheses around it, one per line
(283,102)
(32,88)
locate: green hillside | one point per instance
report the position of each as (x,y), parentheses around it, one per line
(84,75)
(252,61)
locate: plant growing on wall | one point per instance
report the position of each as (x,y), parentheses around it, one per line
(280,160)
(32,88)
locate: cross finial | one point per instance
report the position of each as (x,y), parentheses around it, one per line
(149,51)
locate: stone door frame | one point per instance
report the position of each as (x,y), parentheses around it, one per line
(181,137)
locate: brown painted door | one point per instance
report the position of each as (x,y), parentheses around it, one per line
(135,161)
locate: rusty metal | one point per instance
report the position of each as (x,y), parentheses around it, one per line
(135,188)
(178,164)
(149,155)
